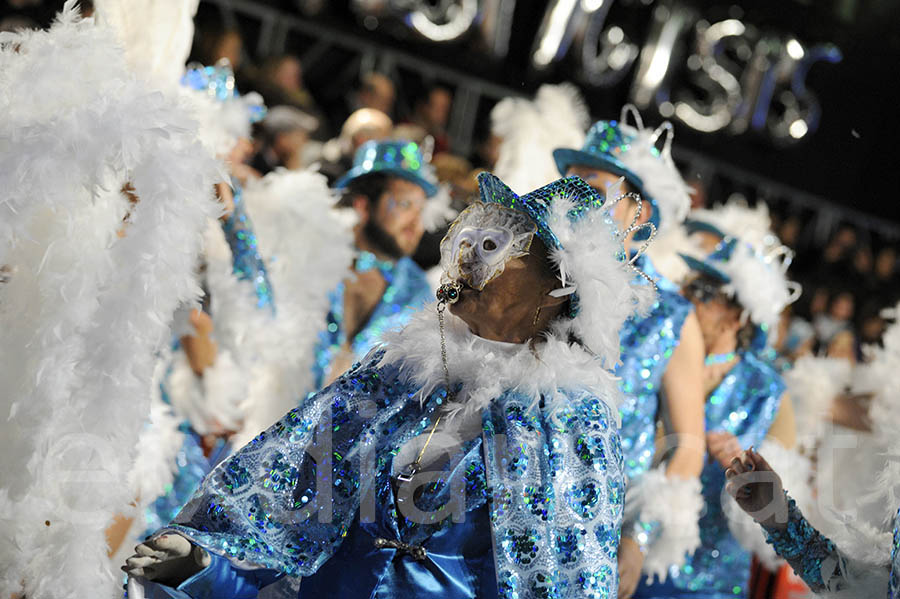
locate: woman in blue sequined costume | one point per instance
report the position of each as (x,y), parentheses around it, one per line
(387,187)
(475,455)
(662,354)
(734,290)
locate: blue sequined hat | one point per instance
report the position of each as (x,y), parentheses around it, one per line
(218,82)
(707,266)
(604,147)
(696,226)
(536,204)
(397,158)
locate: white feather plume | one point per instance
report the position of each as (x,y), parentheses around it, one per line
(531,129)
(84,311)
(813,383)
(738,219)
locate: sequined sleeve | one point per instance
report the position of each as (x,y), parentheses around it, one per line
(809,553)
(248,264)
(286,500)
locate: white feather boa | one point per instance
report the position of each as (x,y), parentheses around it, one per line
(666,250)
(308,247)
(486,369)
(531,129)
(813,383)
(84,311)
(676,504)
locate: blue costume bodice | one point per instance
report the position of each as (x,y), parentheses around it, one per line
(531,508)
(744,404)
(407,290)
(647,344)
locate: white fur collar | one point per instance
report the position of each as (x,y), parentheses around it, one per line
(486,369)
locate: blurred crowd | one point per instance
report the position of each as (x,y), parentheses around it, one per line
(847,283)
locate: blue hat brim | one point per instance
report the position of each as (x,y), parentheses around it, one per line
(358,171)
(566,158)
(705,268)
(697,226)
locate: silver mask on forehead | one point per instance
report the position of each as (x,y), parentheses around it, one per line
(482,239)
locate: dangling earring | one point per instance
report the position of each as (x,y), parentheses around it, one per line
(537,315)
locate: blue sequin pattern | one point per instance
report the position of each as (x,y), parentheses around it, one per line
(407,290)
(248,263)
(803,547)
(290,499)
(647,344)
(744,404)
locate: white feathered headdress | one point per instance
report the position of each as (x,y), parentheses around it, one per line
(756,279)
(632,152)
(83,309)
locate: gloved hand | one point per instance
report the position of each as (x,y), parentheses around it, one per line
(169,559)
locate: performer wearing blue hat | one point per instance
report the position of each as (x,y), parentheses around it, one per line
(387,187)
(662,354)
(734,290)
(475,454)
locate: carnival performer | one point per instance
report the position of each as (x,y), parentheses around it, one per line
(387,188)
(735,291)
(104,195)
(662,354)
(475,454)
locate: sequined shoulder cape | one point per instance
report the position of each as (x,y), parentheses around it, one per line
(544,479)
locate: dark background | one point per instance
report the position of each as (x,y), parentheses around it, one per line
(850,160)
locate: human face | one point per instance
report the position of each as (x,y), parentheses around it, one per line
(398,212)
(506,309)
(718,316)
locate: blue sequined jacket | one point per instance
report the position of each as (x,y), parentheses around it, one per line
(406,292)
(530,508)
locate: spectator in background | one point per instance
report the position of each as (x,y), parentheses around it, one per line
(884,274)
(834,329)
(432,112)
(280,81)
(378,92)
(282,137)
(363,125)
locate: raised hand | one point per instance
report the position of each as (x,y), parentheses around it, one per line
(169,559)
(757,489)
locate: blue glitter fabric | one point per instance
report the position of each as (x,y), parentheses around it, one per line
(744,404)
(402,159)
(647,344)
(407,290)
(803,547)
(316,488)
(248,263)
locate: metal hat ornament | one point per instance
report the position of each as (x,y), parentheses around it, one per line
(631,152)
(402,159)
